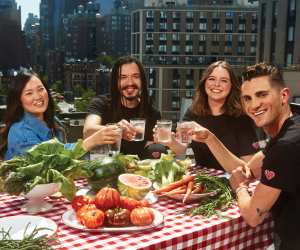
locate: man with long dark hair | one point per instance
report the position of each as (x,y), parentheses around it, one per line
(128,99)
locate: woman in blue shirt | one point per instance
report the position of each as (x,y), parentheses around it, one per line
(29,119)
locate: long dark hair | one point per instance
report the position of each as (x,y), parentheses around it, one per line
(232,105)
(14,109)
(145,105)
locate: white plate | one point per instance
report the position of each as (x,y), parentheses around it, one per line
(193,197)
(16,226)
(69,218)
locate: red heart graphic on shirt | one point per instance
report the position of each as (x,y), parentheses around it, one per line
(156,155)
(269,174)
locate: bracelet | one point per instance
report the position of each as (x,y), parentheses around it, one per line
(240,188)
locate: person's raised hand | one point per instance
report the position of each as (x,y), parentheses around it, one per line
(106,135)
(128,130)
(238,178)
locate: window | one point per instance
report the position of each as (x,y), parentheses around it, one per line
(189,93)
(241,49)
(175,49)
(149,26)
(253,38)
(149,36)
(176,15)
(228,14)
(189,83)
(228,49)
(149,14)
(292,5)
(188,37)
(149,48)
(202,15)
(216,27)
(162,48)
(175,26)
(163,26)
(241,38)
(202,26)
(242,27)
(163,14)
(215,14)
(291,34)
(162,37)
(228,27)
(228,38)
(189,14)
(189,26)
(201,49)
(202,38)
(188,49)
(175,37)
(253,50)
(289,59)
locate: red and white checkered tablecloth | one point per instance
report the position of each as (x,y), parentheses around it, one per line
(178,232)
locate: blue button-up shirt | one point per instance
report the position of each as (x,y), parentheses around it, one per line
(26,133)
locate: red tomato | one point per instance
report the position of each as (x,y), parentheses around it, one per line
(81,200)
(141,216)
(128,203)
(107,198)
(118,217)
(93,218)
(81,211)
(144,203)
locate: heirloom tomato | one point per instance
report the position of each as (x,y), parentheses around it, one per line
(130,203)
(93,218)
(141,216)
(118,217)
(81,211)
(107,198)
(81,200)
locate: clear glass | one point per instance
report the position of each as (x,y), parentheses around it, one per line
(164,130)
(115,147)
(183,129)
(139,125)
(99,152)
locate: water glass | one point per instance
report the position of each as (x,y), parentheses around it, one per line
(99,152)
(139,125)
(115,147)
(183,128)
(164,130)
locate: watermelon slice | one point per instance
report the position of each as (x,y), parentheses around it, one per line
(134,186)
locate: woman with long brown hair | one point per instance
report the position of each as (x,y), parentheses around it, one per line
(217,107)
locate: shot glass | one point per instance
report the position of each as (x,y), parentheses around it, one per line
(99,152)
(183,129)
(164,130)
(139,125)
(115,147)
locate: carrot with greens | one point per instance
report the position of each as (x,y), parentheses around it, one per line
(179,190)
(188,192)
(198,189)
(174,185)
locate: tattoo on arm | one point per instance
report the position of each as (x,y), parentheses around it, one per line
(260,212)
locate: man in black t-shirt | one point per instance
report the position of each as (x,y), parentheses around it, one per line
(128,99)
(265,99)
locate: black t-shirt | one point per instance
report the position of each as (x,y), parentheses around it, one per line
(236,133)
(101,106)
(281,169)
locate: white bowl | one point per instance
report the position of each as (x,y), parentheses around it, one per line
(36,196)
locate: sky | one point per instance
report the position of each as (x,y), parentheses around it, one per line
(28,6)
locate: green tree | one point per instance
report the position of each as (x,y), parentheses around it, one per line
(82,103)
(58,86)
(106,60)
